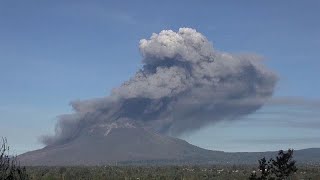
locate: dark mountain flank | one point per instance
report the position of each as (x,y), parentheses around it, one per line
(115,143)
(125,143)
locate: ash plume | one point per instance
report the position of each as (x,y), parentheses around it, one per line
(183,85)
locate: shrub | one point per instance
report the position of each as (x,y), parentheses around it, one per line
(9,167)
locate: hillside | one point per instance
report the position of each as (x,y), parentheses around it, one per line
(125,143)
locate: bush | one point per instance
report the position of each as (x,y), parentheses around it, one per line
(9,167)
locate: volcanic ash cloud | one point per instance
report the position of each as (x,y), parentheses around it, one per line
(183,85)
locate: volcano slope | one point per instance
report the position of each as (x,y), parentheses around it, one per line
(123,143)
(119,142)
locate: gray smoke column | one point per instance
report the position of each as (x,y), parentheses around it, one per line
(183,85)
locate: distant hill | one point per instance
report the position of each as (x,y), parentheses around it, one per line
(123,143)
(304,156)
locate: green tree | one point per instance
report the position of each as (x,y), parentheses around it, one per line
(276,169)
(284,165)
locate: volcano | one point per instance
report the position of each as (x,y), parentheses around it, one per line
(183,85)
(125,143)
(118,142)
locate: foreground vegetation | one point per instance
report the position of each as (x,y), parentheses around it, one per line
(282,167)
(9,167)
(159,173)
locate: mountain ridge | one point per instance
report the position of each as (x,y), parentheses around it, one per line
(125,143)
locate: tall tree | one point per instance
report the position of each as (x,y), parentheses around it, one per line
(276,169)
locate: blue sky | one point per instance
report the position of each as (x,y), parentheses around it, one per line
(53,52)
